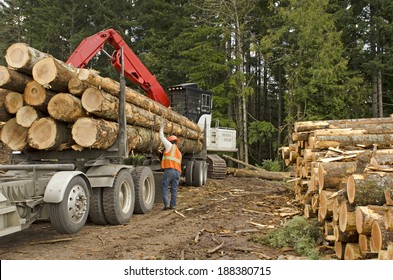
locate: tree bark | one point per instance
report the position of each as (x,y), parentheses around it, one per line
(13,80)
(135,98)
(105,106)
(66,107)
(53,74)
(37,96)
(4,114)
(101,134)
(22,57)
(47,134)
(13,102)
(26,116)
(14,136)
(368,189)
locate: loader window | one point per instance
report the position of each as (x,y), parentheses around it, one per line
(206,103)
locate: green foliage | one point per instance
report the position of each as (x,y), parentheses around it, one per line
(271,165)
(297,233)
(260,131)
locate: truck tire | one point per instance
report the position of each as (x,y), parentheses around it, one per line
(70,215)
(205,169)
(96,211)
(198,173)
(145,189)
(119,200)
(189,172)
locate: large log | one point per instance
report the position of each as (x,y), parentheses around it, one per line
(368,189)
(333,175)
(352,139)
(366,215)
(346,123)
(101,134)
(22,57)
(13,102)
(13,135)
(37,96)
(263,174)
(136,98)
(104,105)
(13,80)
(4,114)
(53,74)
(66,107)
(47,134)
(27,115)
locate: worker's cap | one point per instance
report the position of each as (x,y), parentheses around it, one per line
(173,138)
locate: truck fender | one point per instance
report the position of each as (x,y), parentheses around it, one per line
(103,176)
(57,185)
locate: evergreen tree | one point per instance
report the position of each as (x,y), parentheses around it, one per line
(320,86)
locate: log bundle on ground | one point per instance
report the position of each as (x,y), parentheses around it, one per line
(49,105)
(344,178)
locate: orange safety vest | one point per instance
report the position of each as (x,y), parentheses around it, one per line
(172,159)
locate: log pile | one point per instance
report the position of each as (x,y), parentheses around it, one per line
(46,104)
(344,178)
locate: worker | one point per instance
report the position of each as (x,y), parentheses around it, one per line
(171,163)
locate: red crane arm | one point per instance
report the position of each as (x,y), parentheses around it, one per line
(134,69)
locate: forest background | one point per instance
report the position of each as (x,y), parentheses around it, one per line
(269,63)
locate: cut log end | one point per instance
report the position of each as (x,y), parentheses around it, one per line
(34,93)
(45,133)
(14,135)
(351,189)
(4,75)
(84,132)
(13,102)
(65,107)
(92,99)
(26,116)
(17,55)
(376,236)
(45,71)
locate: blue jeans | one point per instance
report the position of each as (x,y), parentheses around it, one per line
(170,178)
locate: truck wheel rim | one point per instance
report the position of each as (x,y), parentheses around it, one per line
(125,197)
(147,193)
(77,203)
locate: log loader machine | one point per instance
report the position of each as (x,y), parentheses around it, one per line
(67,187)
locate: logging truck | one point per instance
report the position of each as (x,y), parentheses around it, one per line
(46,180)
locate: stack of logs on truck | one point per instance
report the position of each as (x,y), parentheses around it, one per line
(46,104)
(344,178)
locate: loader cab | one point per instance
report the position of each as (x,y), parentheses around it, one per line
(190,101)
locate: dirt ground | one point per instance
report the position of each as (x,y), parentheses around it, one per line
(217,221)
